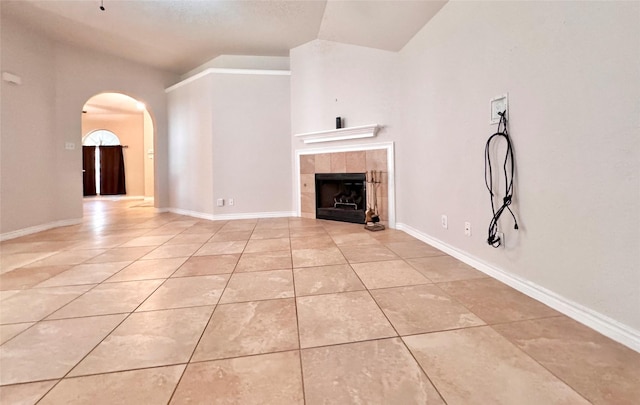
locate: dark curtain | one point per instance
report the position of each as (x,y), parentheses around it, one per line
(89,170)
(112,170)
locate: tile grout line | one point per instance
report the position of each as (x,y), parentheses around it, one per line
(102,340)
(402,340)
(84,357)
(109,228)
(195,347)
(486,324)
(457,300)
(572,388)
(295,302)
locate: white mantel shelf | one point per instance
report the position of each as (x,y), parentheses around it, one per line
(342,134)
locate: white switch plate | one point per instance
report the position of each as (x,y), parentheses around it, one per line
(69,145)
(498,104)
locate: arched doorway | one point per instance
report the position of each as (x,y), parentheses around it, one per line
(131,123)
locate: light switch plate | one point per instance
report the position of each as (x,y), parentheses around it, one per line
(498,104)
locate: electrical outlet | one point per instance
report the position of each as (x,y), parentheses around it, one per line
(231,202)
(501,236)
(467,228)
(220,202)
(443,220)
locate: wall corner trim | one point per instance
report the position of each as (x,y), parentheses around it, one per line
(609,327)
(39,228)
(206,72)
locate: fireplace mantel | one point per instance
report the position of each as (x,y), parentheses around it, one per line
(364,131)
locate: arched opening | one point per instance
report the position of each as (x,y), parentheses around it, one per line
(111,119)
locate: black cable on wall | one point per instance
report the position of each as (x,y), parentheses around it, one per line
(508,168)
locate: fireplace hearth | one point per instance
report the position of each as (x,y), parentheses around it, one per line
(341,196)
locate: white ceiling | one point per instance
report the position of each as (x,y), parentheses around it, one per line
(180,35)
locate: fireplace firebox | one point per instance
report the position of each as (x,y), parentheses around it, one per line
(341,196)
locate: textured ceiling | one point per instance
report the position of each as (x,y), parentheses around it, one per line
(179,35)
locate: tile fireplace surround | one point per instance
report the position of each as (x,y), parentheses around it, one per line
(343,162)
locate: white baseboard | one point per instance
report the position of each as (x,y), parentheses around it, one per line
(117,197)
(228,217)
(607,326)
(39,228)
(255,215)
(188,213)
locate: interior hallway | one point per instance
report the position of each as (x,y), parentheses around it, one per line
(139,307)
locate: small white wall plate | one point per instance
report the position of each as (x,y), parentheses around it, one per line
(11,78)
(498,104)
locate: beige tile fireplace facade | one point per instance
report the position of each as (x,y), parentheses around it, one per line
(343,162)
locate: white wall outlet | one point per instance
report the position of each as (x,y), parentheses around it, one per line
(220,202)
(69,145)
(231,202)
(498,104)
(501,236)
(467,228)
(444,222)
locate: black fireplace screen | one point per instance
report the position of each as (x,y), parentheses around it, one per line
(341,196)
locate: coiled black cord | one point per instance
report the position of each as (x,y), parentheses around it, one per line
(494,239)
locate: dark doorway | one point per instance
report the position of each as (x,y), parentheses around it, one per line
(112,181)
(89,170)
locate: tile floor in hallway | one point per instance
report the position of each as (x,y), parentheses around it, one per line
(139,307)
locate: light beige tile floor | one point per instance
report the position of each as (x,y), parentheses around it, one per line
(134,306)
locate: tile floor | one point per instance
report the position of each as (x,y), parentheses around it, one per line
(139,307)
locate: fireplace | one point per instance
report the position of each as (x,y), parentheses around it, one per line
(341,196)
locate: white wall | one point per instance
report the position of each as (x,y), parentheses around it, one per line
(27,124)
(330,80)
(190,146)
(573,77)
(251,143)
(229,137)
(41,182)
(572,73)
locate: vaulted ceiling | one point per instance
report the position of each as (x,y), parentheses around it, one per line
(179,35)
